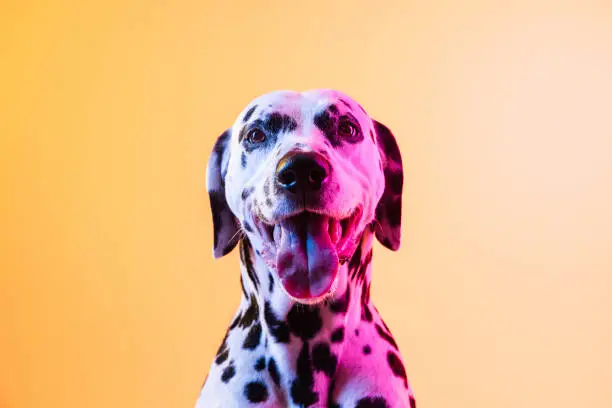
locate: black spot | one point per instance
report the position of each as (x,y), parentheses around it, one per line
(251,314)
(366,314)
(323,359)
(357,332)
(372,402)
(222,352)
(345,103)
(224,342)
(248,114)
(278,329)
(341,305)
(273,370)
(412,402)
(355,261)
(253,338)
(367,349)
(333,109)
(256,391)
(247,261)
(304,321)
(277,122)
(360,273)
(243,160)
(247,192)
(236,321)
(248,227)
(222,357)
(260,364)
(243,288)
(365,294)
(362,269)
(302,391)
(330,395)
(228,373)
(337,335)
(386,336)
(397,367)
(268,202)
(271,283)
(385,324)
(328,125)
(368,259)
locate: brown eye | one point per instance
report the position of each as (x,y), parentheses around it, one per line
(256,136)
(347,130)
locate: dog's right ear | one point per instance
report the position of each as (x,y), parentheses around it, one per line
(225,223)
(389,208)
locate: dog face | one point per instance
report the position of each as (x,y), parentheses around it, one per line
(302,175)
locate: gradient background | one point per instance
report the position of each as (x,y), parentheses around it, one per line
(501,295)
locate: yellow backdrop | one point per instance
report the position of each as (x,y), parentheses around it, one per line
(501,293)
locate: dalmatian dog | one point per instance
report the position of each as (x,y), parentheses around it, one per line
(302,183)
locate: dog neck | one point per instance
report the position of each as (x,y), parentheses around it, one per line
(301,340)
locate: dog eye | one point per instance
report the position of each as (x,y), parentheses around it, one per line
(347,129)
(256,136)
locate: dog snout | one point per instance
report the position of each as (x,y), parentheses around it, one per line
(302,172)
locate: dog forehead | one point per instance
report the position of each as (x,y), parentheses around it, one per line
(301,106)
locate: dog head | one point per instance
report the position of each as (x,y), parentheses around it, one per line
(302,174)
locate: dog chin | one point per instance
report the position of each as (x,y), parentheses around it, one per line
(305,251)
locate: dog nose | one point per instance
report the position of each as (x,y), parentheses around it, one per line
(302,172)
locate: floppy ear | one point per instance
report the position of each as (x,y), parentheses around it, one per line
(389,208)
(225,224)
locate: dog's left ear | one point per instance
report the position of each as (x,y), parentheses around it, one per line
(389,208)
(225,223)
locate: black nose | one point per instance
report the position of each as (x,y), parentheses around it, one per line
(302,172)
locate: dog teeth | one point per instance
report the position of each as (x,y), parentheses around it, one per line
(277,234)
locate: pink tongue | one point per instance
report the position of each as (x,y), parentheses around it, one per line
(306,259)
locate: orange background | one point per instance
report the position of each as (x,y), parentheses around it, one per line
(501,293)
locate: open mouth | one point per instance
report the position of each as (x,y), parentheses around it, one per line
(306,250)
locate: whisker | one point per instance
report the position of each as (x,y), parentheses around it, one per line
(240,231)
